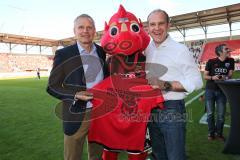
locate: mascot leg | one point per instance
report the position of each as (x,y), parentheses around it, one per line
(141,156)
(108,155)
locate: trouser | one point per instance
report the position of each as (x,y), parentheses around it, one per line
(218,97)
(73,145)
(167,131)
(109,155)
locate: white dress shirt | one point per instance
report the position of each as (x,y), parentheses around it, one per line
(91,62)
(180,64)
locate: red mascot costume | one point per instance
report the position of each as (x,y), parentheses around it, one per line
(123,102)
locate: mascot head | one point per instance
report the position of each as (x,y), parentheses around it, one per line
(124,34)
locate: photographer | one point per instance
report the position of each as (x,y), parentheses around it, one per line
(219,68)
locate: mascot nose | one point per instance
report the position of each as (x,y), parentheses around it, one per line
(124,27)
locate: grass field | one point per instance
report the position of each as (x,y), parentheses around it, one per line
(29,129)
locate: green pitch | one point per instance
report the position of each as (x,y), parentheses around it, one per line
(29,129)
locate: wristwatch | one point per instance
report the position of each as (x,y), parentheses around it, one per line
(167,86)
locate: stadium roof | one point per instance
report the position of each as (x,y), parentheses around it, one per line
(215,16)
(19,39)
(222,15)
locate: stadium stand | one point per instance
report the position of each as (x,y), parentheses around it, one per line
(23,62)
(195,47)
(209,49)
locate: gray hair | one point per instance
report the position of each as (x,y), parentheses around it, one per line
(159,11)
(84,16)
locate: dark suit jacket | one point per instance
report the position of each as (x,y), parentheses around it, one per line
(66,78)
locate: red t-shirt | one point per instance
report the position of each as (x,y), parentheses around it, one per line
(121,110)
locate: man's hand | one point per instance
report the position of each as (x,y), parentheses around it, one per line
(156,83)
(218,77)
(83,95)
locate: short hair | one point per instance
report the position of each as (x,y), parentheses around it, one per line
(159,11)
(219,48)
(84,16)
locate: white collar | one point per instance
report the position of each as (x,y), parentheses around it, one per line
(82,50)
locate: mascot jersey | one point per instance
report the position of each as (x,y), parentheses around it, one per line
(120,114)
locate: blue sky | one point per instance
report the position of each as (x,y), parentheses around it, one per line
(54,18)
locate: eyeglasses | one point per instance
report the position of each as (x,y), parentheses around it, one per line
(227,49)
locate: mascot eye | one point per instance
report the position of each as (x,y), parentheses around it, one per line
(134,27)
(113,30)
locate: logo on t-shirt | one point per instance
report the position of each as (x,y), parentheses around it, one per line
(227,65)
(220,70)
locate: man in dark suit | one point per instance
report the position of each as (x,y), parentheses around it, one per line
(75,69)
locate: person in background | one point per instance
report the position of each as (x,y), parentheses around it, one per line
(219,68)
(38,73)
(168,127)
